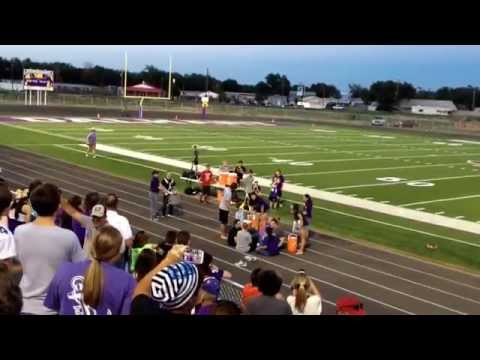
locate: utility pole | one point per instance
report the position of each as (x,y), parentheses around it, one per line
(11,73)
(473,100)
(206,82)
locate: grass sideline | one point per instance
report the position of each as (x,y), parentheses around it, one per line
(407,236)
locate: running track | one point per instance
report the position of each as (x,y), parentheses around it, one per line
(387,283)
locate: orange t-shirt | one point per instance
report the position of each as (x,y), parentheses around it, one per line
(249,291)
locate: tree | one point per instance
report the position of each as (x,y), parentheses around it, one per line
(406,91)
(358,91)
(231,85)
(262,90)
(389,93)
(325,91)
(385,93)
(279,84)
(425,94)
(461,96)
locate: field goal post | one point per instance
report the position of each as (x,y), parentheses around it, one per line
(142,98)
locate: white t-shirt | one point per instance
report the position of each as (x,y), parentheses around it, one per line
(7,243)
(313,305)
(227,198)
(120,223)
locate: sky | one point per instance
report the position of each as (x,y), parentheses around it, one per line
(425,66)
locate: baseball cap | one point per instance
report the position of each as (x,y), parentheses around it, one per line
(350,305)
(173,286)
(98,211)
(211,285)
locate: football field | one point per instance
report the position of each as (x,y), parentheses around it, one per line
(430,174)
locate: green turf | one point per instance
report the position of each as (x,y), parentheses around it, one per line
(347,160)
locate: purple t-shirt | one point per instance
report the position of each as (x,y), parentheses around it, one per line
(271,242)
(206,309)
(281,180)
(92,138)
(65,294)
(79,230)
(308,208)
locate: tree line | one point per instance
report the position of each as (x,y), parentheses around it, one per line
(386,93)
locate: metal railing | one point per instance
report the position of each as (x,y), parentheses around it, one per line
(230,290)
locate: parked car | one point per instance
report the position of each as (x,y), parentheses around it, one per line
(378,121)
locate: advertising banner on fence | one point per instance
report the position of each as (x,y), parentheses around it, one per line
(34,79)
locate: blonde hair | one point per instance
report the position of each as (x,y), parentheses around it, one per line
(301,286)
(105,247)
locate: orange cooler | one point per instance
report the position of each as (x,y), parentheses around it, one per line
(292,243)
(223,178)
(232,179)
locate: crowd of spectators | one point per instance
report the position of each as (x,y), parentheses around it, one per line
(81,257)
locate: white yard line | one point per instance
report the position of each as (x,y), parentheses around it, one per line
(366,170)
(402,182)
(405,158)
(441,200)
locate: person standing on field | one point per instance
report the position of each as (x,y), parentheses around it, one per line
(195,158)
(92,143)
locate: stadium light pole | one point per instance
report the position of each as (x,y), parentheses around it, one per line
(125,77)
(170,78)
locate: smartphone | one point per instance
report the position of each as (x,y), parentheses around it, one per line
(194,256)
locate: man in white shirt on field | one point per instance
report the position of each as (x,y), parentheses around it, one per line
(120,223)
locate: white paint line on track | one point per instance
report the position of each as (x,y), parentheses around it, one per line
(420,209)
(440,212)
(409,268)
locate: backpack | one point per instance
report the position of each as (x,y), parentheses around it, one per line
(190,174)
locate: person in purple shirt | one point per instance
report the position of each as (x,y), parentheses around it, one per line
(92,143)
(96,286)
(258,204)
(90,200)
(277,186)
(270,245)
(307,208)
